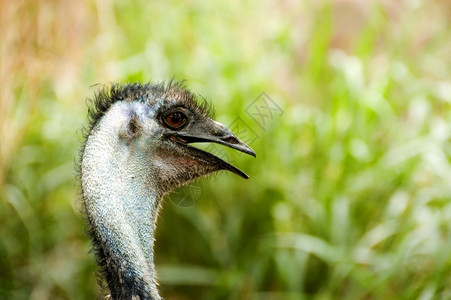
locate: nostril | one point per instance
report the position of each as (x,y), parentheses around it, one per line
(217,132)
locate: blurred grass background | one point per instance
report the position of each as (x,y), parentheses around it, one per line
(349,196)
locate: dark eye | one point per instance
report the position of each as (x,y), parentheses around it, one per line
(175,120)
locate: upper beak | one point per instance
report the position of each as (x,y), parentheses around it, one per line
(214,132)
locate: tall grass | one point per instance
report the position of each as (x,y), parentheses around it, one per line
(349,195)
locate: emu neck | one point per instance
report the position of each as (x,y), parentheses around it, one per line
(121,205)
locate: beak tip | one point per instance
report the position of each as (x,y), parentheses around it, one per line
(250,151)
(245,176)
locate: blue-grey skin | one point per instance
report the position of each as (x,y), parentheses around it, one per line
(130,160)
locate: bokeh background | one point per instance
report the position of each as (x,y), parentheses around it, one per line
(349,196)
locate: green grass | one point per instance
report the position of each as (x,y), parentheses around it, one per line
(349,195)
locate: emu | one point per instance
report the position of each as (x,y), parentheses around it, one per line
(136,150)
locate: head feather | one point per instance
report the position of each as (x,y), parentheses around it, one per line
(147,93)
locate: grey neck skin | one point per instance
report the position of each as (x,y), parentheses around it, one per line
(121,204)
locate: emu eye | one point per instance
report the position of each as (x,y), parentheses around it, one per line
(175,120)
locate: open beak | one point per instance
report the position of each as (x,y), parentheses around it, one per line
(213,132)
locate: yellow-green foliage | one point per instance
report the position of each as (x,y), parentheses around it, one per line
(349,196)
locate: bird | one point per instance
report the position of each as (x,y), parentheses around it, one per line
(137,148)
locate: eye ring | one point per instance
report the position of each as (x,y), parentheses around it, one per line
(175,120)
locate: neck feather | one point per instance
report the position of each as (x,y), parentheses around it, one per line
(121,207)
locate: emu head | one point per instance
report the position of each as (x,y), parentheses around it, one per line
(155,125)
